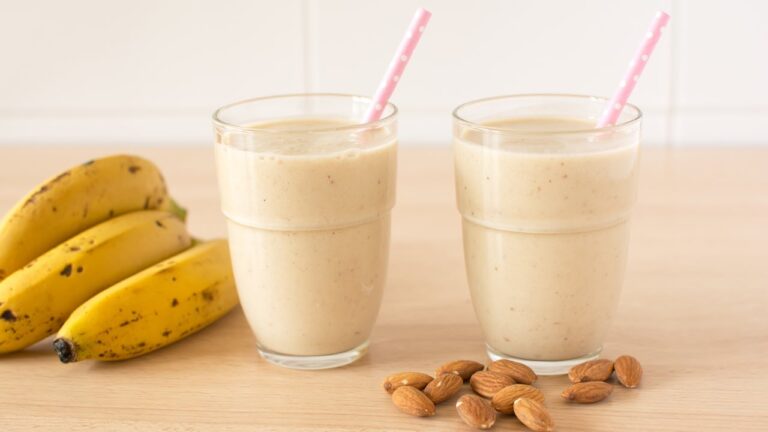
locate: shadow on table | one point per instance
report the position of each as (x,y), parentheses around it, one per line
(41,349)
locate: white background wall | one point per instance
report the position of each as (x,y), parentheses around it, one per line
(152,71)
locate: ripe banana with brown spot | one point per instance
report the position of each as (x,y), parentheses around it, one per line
(37,299)
(76,200)
(153,308)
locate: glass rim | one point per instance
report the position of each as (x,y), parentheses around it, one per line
(458,117)
(218,121)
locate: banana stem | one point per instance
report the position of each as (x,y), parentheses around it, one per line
(177,209)
(65,349)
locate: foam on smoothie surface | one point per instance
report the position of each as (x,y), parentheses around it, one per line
(539,134)
(309,136)
(541,124)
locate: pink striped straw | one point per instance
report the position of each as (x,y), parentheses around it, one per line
(397,65)
(636,66)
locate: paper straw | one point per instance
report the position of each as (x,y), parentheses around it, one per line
(636,66)
(397,65)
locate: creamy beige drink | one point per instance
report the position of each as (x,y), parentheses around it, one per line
(308,206)
(546,204)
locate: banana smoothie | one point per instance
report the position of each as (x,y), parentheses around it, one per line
(308,207)
(546,203)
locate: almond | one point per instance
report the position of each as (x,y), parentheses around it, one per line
(517,371)
(487,383)
(593,370)
(533,415)
(476,411)
(412,401)
(503,401)
(587,392)
(443,387)
(411,379)
(462,368)
(628,371)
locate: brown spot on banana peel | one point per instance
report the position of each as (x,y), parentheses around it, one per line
(160,224)
(34,196)
(174,303)
(66,271)
(133,169)
(207,294)
(8,315)
(44,188)
(59,177)
(137,318)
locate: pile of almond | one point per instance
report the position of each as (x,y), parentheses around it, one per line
(508,385)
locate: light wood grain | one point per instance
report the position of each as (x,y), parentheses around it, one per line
(694,311)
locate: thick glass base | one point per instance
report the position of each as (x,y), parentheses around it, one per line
(545,367)
(315,362)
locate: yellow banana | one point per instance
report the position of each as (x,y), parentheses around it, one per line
(76,200)
(152,309)
(37,299)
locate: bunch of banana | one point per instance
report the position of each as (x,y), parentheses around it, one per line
(153,308)
(37,299)
(78,199)
(107,226)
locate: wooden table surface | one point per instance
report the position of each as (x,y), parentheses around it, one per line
(694,311)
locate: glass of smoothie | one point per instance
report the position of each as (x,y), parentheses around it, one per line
(546,199)
(307,190)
